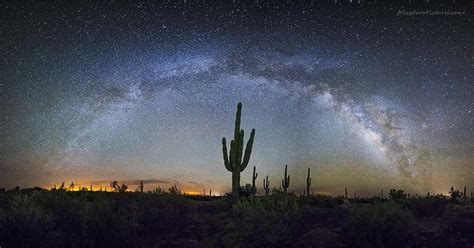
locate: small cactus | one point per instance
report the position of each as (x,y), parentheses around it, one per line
(254,177)
(345,193)
(266,184)
(464,194)
(141,186)
(285,183)
(308,183)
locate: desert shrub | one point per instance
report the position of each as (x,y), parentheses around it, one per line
(321,201)
(266,221)
(455,195)
(24,223)
(426,206)
(90,219)
(397,195)
(379,225)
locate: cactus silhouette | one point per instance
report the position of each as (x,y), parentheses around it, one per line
(308,183)
(233,161)
(254,177)
(286,181)
(345,193)
(117,187)
(141,186)
(464,193)
(266,183)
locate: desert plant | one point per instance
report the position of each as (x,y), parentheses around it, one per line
(25,223)
(118,188)
(254,177)
(267,221)
(233,162)
(308,183)
(285,182)
(174,190)
(455,194)
(158,190)
(397,194)
(266,184)
(427,206)
(380,225)
(141,186)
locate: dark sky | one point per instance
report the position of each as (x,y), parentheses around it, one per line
(367,95)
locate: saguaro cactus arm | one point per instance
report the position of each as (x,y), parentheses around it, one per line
(248,150)
(226,158)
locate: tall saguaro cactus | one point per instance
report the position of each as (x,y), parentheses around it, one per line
(233,161)
(254,177)
(308,183)
(266,185)
(285,182)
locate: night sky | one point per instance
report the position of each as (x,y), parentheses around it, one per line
(366,98)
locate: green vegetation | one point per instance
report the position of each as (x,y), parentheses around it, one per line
(267,221)
(41,218)
(380,225)
(61,218)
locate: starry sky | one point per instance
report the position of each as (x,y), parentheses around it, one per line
(367,98)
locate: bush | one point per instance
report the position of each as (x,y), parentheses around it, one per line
(26,224)
(427,206)
(380,225)
(397,195)
(90,219)
(266,221)
(321,200)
